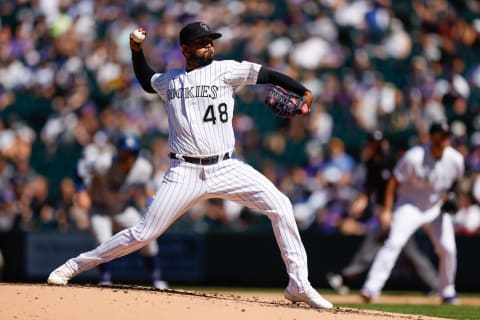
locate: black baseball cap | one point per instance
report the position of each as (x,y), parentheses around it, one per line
(196,30)
(439,127)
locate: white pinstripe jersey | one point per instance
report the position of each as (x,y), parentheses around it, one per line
(424,179)
(200,105)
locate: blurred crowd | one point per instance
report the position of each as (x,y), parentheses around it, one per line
(67,91)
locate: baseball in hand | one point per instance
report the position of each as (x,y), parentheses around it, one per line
(138,36)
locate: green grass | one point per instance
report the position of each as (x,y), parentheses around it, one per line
(460,312)
(441,311)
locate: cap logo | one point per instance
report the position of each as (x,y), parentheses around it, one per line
(130,142)
(196,30)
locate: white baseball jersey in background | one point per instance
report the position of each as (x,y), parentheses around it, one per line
(200,105)
(422,181)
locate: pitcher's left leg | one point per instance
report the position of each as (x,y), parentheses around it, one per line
(240,183)
(442,235)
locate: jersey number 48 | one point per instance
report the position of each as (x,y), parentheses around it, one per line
(211,114)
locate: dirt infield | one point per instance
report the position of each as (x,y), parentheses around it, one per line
(38,301)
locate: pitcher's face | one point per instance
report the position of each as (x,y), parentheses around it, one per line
(201,51)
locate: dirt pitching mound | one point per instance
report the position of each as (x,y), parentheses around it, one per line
(39,301)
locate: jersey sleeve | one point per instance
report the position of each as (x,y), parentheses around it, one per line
(160,82)
(241,73)
(403,168)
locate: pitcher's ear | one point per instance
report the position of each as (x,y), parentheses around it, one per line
(184,49)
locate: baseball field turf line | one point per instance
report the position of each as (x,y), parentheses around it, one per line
(442,311)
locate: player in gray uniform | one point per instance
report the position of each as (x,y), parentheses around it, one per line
(421,181)
(200,102)
(106,187)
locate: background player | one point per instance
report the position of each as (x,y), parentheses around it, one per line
(379,163)
(421,180)
(200,103)
(111,187)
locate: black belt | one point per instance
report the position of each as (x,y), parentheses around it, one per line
(204,161)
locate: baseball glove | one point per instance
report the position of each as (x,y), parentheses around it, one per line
(285,104)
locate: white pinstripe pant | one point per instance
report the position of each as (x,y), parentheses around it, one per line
(186,184)
(103,226)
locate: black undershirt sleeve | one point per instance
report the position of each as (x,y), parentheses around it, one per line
(142,70)
(266,75)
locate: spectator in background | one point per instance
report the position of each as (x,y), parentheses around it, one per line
(9,210)
(339,165)
(69,214)
(114,188)
(467,218)
(472,161)
(23,182)
(337,173)
(417,59)
(320,125)
(220,214)
(377,103)
(43,215)
(16,140)
(323,187)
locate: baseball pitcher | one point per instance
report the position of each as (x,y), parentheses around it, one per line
(200,103)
